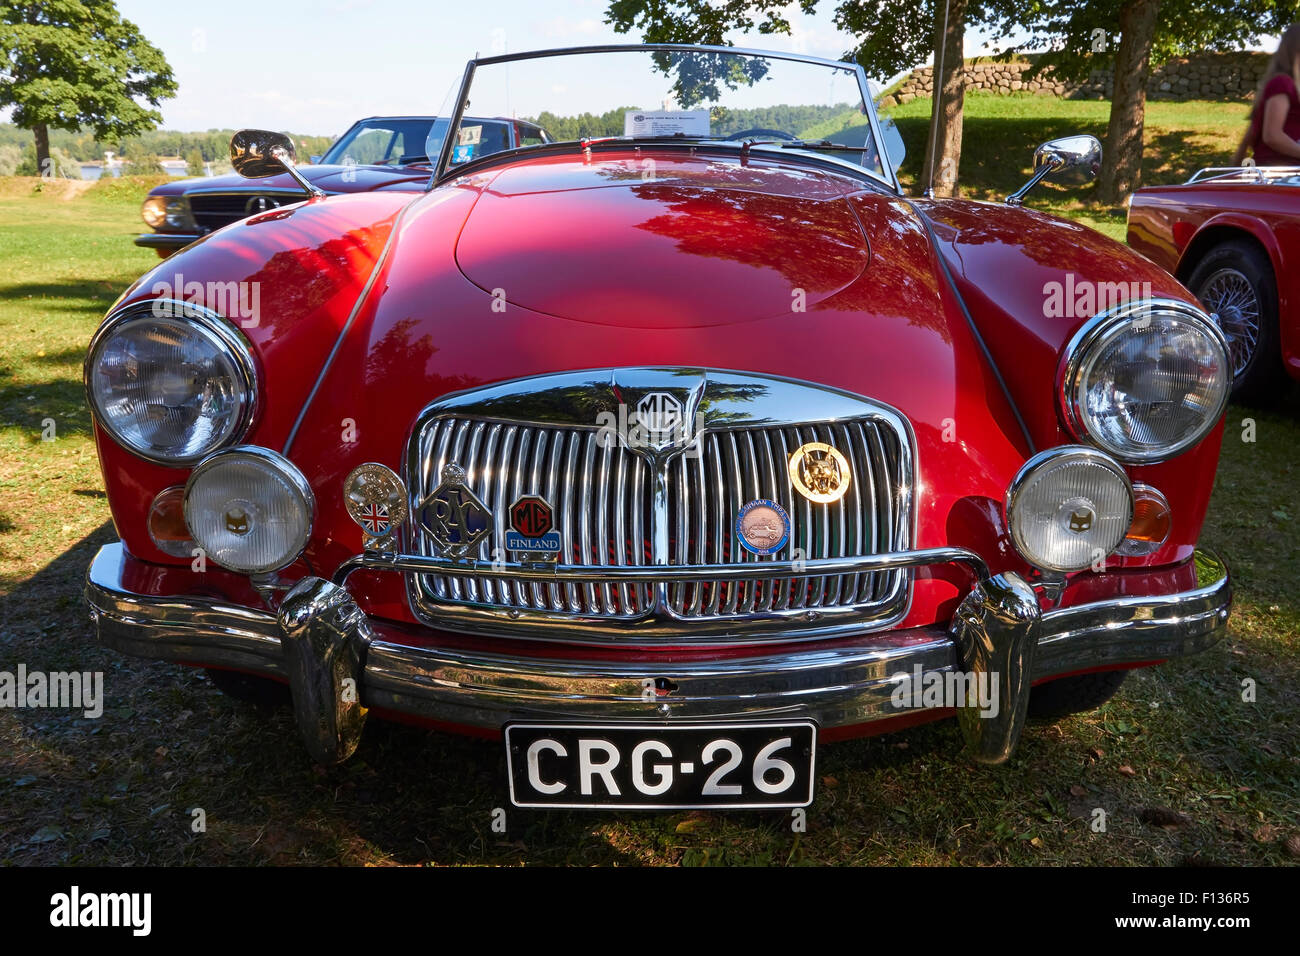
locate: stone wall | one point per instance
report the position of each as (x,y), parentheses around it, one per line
(1213,76)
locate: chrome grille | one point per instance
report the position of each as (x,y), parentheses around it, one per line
(569,468)
(740,465)
(213,210)
(537,437)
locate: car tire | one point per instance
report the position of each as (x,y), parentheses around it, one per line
(262,692)
(1235,280)
(1074,695)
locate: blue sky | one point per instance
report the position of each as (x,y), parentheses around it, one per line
(315,67)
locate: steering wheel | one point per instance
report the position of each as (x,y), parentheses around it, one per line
(759,133)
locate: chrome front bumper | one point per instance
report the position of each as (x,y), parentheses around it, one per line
(166,240)
(338,663)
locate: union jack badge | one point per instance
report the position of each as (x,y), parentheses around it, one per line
(376,499)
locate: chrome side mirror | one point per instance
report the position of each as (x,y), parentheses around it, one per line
(1079,155)
(259,153)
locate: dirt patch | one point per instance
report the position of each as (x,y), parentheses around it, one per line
(64,189)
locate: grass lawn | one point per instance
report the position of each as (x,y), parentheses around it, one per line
(1000,134)
(122,789)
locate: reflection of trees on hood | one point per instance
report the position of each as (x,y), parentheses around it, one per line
(701,77)
(814,243)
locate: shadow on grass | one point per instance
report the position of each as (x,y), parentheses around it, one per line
(29,408)
(997,153)
(91,296)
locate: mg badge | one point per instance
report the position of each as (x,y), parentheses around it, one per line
(376,500)
(454,516)
(762,527)
(531,521)
(659,413)
(819,472)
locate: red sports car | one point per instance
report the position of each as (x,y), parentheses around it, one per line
(1231,235)
(666,457)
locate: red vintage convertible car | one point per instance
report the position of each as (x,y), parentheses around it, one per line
(668,457)
(1231,235)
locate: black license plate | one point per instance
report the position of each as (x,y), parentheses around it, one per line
(660,766)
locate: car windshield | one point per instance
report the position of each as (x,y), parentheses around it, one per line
(478,137)
(773,102)
(382,142)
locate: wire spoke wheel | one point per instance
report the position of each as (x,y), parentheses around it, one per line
(1229,295)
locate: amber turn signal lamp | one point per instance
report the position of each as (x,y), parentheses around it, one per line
(1152,522)
(167,523)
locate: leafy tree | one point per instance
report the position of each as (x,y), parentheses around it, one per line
(1082,37)
(139,160)
(10,157)
(194,162)
(66,64)
(892,35)
(59,165)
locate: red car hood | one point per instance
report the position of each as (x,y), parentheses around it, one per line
(623,243)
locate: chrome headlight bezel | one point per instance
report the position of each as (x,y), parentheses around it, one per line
(1099,332)
(1034,467)
(209,325)
(287,470)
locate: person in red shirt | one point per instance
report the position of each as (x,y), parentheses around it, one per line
(1275,118)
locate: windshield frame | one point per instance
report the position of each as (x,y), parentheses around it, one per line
(441,169)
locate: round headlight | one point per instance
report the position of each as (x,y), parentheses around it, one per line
(1069,506)
(154,211)
(1146,381)
(170,381)
(250,509)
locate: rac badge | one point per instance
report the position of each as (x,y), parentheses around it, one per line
(762,527)
(376,499)
(819,472)
(531,521)
(453,515)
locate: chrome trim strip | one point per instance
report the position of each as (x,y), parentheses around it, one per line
(838,683)
(165,240)
(614,574)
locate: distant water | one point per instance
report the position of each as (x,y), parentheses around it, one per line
(96,171)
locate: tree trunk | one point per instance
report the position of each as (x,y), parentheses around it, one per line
(943,149)
(1121,167)
(43,165)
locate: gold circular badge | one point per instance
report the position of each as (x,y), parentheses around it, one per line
(819,472)
(375,498)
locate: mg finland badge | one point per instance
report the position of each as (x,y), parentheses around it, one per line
(531,521)
(762,527)
(453,515)
(376,500)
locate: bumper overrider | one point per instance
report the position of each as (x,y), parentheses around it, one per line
(338,663)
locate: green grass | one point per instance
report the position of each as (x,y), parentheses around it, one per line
(1000,133)
(120,790)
